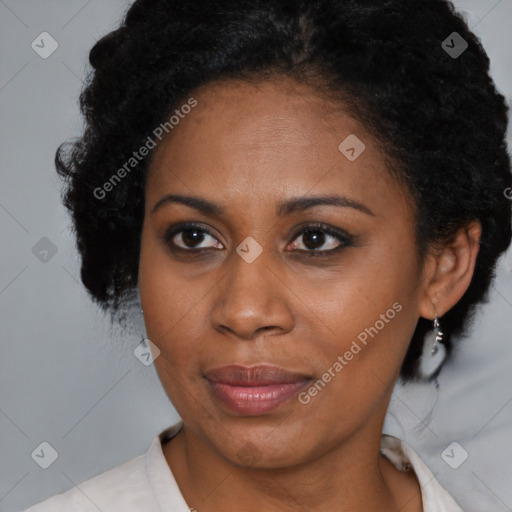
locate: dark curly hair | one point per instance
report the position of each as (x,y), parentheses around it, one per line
(438,117)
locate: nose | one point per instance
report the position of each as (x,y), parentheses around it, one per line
(252,299)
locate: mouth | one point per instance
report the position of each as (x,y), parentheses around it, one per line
(256,390)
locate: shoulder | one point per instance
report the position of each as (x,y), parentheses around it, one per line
(435,497)
(115,489)
(144,483)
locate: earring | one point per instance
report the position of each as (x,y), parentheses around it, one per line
(439,337)
(434,352)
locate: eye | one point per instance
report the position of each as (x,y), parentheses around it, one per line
(190,237)
(316,236)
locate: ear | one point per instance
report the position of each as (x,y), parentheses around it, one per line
(448,270)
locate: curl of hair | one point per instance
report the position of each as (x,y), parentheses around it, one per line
(440,120)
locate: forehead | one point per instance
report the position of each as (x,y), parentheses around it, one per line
(269,139)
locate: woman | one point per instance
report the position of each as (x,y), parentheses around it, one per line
(308,198)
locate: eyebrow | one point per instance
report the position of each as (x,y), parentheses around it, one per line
(296,204)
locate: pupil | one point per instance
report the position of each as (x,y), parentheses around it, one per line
(313,239)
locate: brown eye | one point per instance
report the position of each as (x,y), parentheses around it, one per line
(321,240)
(191,237)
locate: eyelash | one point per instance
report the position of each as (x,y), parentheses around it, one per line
(343,237)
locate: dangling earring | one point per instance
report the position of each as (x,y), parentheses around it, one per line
(438,333)
(434,352)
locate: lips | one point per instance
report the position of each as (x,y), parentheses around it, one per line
(254,390)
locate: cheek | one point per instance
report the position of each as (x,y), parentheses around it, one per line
(170,305)
(357,368)
(159,295)
(163,294)
(366,297)
(370,314)
(174,303)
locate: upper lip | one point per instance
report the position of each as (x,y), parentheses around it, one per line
(261,375)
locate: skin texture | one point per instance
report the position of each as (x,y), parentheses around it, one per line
(248,147)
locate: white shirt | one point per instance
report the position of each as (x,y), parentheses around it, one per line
(146,483)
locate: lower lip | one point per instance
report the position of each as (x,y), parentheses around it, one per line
(255,400)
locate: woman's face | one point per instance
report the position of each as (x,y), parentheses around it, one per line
(245,286)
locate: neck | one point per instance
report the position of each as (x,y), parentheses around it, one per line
(348,477)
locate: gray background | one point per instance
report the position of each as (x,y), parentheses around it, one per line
(68,378)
